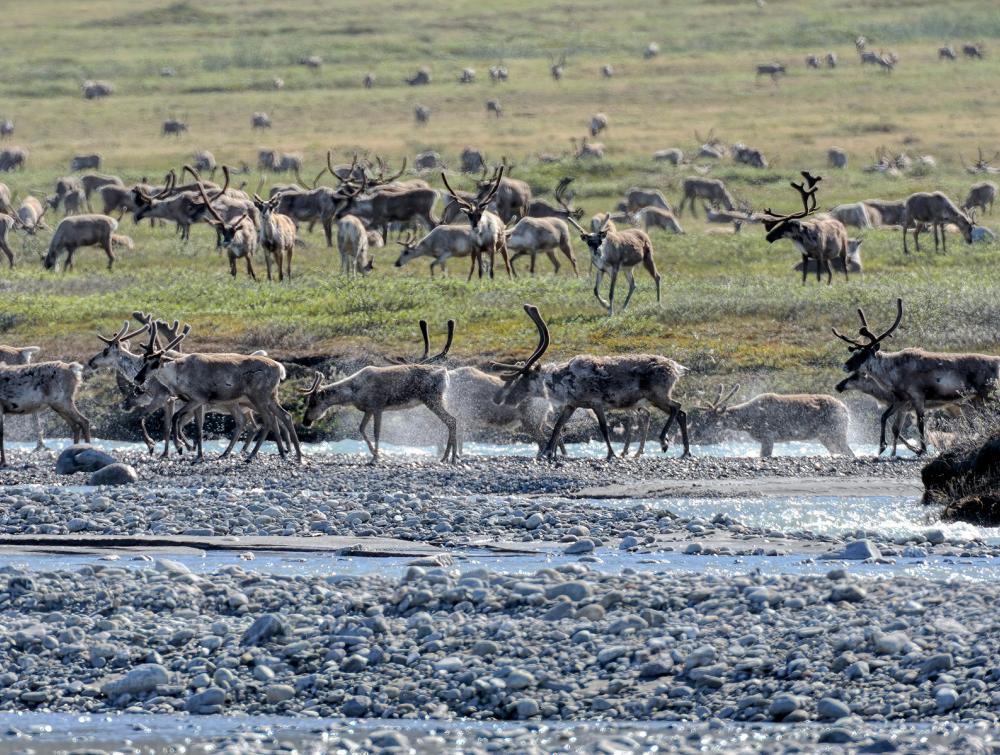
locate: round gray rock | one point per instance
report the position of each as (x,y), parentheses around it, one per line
(82,457)
(115,474)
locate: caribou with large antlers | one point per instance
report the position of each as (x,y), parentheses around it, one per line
(375,390)
(595,383)
(488,227)
(821,238)
(202,379)
(917,378)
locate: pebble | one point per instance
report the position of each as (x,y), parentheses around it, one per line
(143,678)
(830,709)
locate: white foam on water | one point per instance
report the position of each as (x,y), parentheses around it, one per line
(890,517)
(592,450)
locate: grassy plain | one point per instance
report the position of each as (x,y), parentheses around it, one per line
(732,307)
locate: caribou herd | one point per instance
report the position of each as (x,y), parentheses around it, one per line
(501,217)
(538,397)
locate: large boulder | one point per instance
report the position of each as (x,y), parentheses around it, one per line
(82,457)
(114,474)
(964,480)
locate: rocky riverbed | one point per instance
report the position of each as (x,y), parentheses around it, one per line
(827,659)
(563,644)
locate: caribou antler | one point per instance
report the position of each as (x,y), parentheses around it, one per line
(865,331)
(123,334)
(317,378)
(807,193)
(510,372)
(424,358)
(208,206)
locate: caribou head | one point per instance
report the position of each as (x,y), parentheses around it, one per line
(475,208)
(777,226)
(113,346)
(521,379)
(862,352)
(144,202)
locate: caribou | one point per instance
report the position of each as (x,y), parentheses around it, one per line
(374,390)
(29,388)
(238,238)
(84,230)
(276,235)
(441,244)
(595,383)
(225,379)
(613,251)
(771,418)
(936,210)
(915,377)
(822,238)
(533,235)
(488,227)
(710,190)
(12,355)
(981,196)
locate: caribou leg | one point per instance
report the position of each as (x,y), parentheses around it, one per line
(805,267)
(885,418)
(436,406)
(598,278)
(602,423)
(673,409)
(561,420)
(611,292)
(377,430)
(363,428)
(631,288)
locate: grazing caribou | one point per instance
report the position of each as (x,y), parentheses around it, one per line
(934,209)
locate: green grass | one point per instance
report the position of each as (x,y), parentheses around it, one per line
(732,307)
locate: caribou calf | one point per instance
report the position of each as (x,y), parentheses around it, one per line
(352,243)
